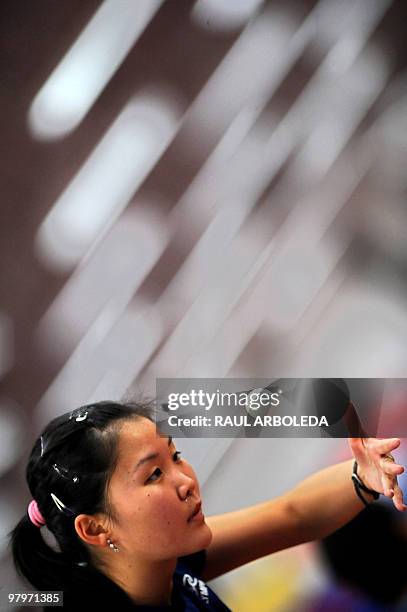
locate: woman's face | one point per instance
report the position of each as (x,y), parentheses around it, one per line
(155,496)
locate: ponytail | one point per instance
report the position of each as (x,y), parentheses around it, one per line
(83,586)
(34,559)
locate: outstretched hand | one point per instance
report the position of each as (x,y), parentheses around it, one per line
(377,468)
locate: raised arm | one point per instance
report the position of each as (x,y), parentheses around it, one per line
(318,506)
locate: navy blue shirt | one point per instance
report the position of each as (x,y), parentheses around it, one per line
(93,590)
(189,592)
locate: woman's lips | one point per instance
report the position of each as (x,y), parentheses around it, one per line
(197,514)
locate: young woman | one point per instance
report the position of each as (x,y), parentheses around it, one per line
(125,510)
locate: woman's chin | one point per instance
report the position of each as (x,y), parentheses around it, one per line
(202,538)
(206,535)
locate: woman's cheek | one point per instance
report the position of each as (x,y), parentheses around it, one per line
(157,506)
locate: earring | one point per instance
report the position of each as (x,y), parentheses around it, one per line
(109,541)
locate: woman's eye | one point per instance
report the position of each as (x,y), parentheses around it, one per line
(156,474)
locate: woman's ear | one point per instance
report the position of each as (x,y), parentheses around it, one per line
(92,529)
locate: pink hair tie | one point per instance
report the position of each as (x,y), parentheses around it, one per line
(35,515)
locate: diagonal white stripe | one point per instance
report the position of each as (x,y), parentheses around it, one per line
(80,77)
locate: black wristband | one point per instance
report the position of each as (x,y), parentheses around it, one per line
(360,486)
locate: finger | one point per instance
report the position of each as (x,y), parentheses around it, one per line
(398,498)
(388,483)
(386,446)
(388,467)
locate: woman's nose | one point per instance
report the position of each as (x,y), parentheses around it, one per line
(186,486)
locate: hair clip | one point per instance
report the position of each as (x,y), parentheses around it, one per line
(60,505)
(42,446)
(60,471)
(79,415)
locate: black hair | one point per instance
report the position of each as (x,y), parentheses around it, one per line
(73,459)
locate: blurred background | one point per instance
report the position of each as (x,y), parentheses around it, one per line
(211,188)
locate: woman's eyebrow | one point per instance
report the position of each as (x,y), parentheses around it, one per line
(150,456)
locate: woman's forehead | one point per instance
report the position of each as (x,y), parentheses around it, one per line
(138,435)
(141,429)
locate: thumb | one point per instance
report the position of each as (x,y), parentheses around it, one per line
(357,446)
